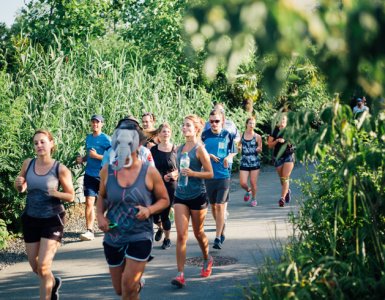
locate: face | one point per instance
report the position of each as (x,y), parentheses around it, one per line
(147,122)
(42,144)
(215,123)
(283,122)
(251,124)
(96,126)
(165,134)
(188,128)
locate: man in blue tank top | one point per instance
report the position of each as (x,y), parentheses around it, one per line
(96,144)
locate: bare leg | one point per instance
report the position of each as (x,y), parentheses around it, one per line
(90,212)
(182,218)
(46,254)
(32,250)
(253,182)
(219,216)
(285,173)
(243,178)
(198,220)
(116,278)
(132,273)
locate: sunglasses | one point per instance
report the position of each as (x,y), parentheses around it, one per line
(215,121)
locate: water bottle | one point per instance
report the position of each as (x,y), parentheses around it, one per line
(222,151)
(183,164)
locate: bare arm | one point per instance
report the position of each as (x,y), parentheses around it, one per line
(100,208)
(20,182)
(65,178)
(155,184)
(259,142)
(271,142)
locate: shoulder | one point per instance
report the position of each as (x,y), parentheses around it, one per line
(63,170)
(154,149)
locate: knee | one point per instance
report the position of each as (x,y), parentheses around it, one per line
(166,225)
(199,235)
(131,288)
(244,185)
(42,270)
(182,238)
(285,179)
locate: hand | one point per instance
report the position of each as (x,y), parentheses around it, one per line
(93,153)
(166,178)
(20,180)
(259,149)
(186,172)
(52,191)
(214,158)
(280,140)
(143,213)
(103,223)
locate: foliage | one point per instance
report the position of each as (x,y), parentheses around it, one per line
(342,38)
(45,20)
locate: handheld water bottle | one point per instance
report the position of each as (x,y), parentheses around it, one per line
(184,164)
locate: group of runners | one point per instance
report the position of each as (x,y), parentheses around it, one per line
(134,176)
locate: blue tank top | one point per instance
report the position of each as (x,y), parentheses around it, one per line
(250,157)
(195,186)
(120,203)
(39,203)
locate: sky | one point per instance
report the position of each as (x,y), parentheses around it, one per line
(8,10)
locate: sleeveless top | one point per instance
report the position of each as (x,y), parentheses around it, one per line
(195,186)
(39,203)
(276,134)
(120,203)
(250,157)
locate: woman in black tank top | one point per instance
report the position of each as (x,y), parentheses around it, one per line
(43,228)
(164,155)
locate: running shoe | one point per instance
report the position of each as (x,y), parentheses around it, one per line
(253,203)
(223,238)
(87,236)
(158,234)
(217,244)
(247,196)
(207,267)
(179,281)
(281,202)
(166,244)
(55,289)
(288,196)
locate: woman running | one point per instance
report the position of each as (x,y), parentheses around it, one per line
(191,201)
(43,217)
(164,155)
(251,146)
(284,159)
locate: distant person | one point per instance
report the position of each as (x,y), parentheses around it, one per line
(148,124)
(96,144)
(44,214)
(221,147)
(164,155)
(251,147)
(130,193)
(360,107)
(191,201)
(283,154)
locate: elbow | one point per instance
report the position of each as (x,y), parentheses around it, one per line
(211,175)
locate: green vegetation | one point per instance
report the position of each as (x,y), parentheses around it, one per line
(64,61)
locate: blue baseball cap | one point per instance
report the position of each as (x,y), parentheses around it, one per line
(98,118)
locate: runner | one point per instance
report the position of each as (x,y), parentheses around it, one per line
(96,144)
(221,147)
(43,217)
(284,159)
(251,146)
(130,192)
(191,201)
(164,155)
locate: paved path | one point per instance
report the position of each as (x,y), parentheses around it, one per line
(251,234)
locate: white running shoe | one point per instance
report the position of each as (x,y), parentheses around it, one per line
(253,203)
(87,236)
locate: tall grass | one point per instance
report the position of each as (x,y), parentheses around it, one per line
(60,92)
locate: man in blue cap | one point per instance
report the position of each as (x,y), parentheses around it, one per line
(96,143)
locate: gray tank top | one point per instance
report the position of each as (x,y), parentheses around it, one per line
(39,203)
(195,186)
(120,204)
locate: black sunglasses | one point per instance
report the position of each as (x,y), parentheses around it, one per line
(214,121)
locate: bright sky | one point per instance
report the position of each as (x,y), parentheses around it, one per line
(8,10)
